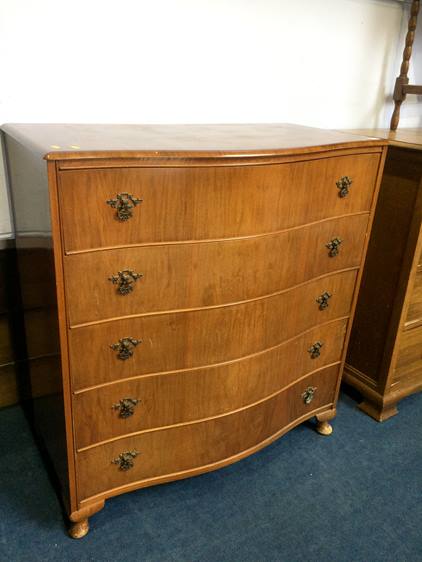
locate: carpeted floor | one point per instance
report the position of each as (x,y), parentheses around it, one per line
(351,497)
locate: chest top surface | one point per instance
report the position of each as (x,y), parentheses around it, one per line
(70,141)
(410,138)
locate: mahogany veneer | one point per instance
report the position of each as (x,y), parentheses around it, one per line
(205,279)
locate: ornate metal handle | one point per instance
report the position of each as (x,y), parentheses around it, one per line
(124,203)
(125,460)
(125,280)
(309,394)
(323,299)
(333,246)
(124,347)
(343,185)
(315,349)
(126,407)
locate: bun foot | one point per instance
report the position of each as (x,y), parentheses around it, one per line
(79,529)
(79,519)
(324,428)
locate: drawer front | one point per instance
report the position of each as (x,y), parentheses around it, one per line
(206,203)
(409,360)
(166,453)
(183,276)
(162,400)
(199,338)
(414,314)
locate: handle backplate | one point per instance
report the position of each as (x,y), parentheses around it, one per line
(125,280)
(323,299)
(124,204)
(126,407)
(343,185)
(333,246)
(309,394)
(125,347)
(315,349)
(125,459)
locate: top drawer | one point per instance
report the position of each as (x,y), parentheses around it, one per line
(201,203)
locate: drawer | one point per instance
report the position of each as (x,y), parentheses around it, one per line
(414,314)
(409,359)
(171,398)
(179,451)
(183,276)
(209,202)
(198,338)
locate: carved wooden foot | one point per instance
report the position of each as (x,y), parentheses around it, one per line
(79,529)
(324,428)
(79,519)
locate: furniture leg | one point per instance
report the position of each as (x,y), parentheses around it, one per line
(80,520)
(79,529)
(323,426)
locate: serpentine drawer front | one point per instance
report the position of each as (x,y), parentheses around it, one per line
(163,454)
(204,203)
(238,330)
(205,280)
(184,395)
(186,276)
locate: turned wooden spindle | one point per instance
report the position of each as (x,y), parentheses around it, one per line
(401,87)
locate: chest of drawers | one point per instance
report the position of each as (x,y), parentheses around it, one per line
(384,361)
(204,280)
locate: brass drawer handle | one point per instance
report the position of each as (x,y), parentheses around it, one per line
(343,185)
(333,245)
(125,280)
(124,347)
(309,394)
(126,407)
(125,460)
(124,203)
(315,349)
(323,299)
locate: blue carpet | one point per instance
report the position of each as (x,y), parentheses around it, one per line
(351,497)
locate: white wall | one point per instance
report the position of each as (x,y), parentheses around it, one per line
(327,63)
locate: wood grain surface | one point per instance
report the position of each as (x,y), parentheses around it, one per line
(209,203)
(64,141)
(195,446)
(185,276)
(414,313)
(183,396)
(204,337)
(405,137)
(409,357)
(388,305)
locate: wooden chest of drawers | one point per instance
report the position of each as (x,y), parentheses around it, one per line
(384,361)
(205,278)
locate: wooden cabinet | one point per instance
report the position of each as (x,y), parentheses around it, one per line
(384,361)
(205,277)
